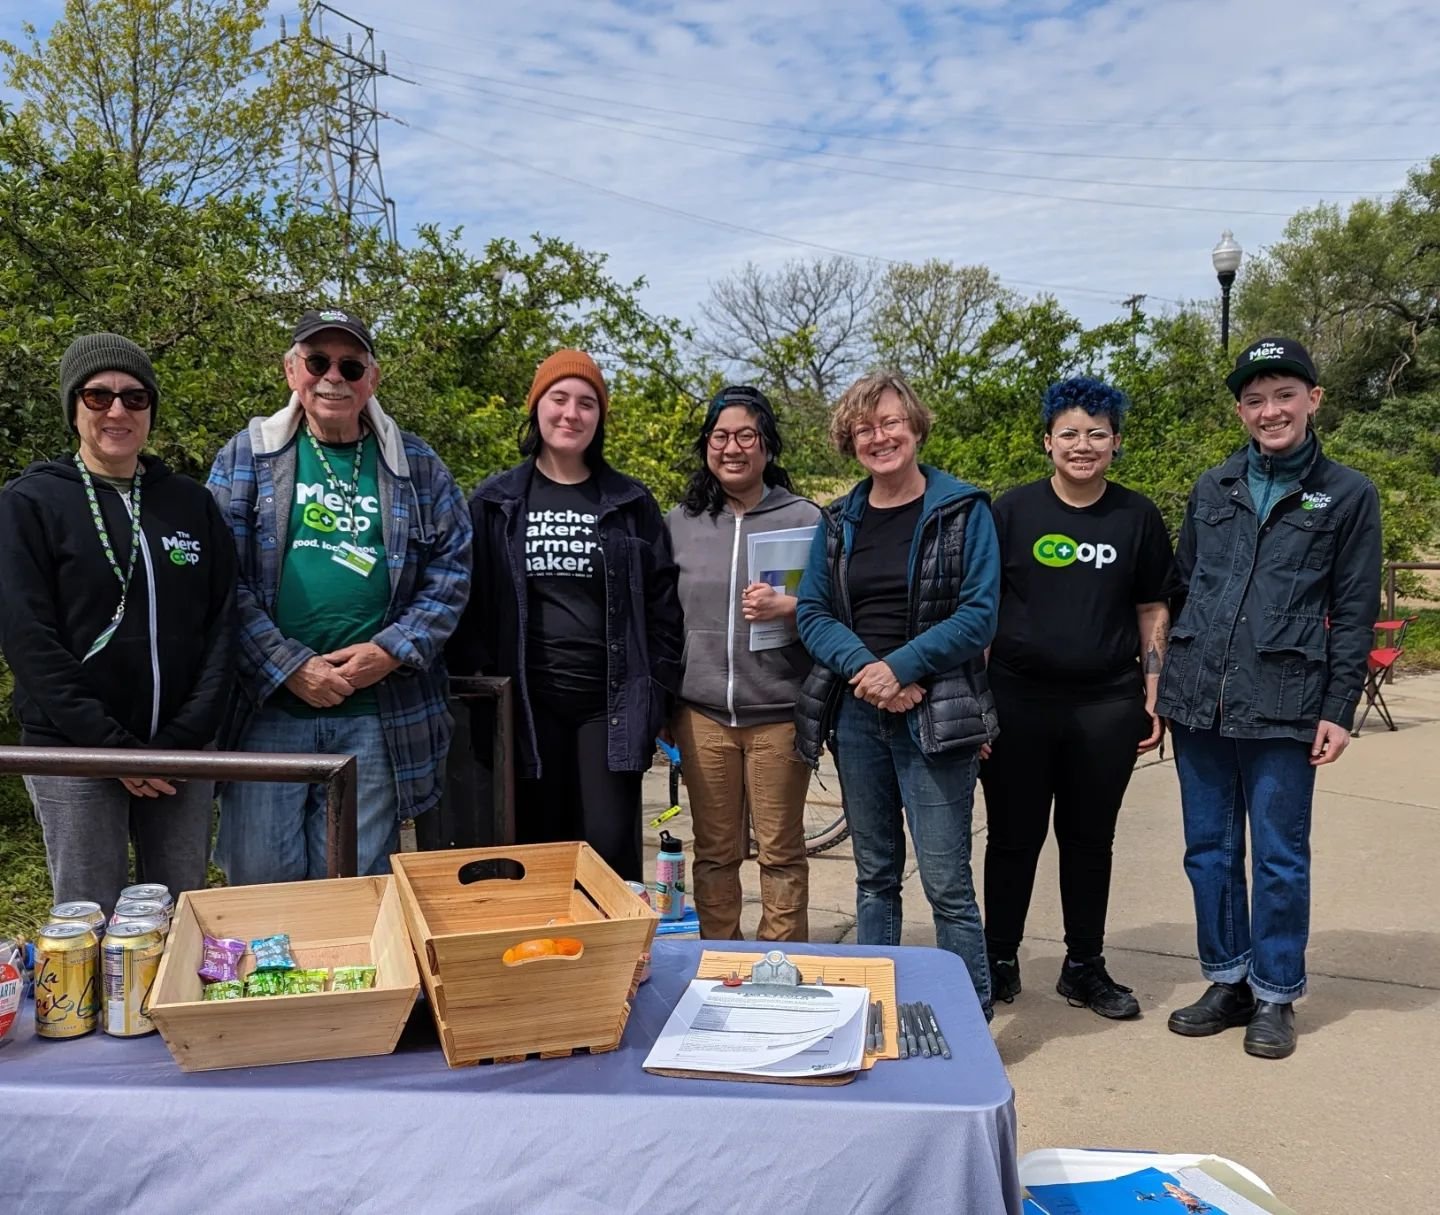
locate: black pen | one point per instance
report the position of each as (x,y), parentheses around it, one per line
(870,1034)
(910,1029)
(919,1021)
(926,1032)
(939,1037)
(900,1031)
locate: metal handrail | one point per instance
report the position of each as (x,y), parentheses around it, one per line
(337,772)
(1390,568)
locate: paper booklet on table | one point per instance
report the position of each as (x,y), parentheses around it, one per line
(763,1033)
(1193,1188)
(778,558)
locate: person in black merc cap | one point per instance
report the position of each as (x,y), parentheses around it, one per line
(1279,561)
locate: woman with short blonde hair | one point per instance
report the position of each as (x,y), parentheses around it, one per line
(897,605)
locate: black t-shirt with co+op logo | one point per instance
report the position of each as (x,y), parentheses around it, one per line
(1071,578)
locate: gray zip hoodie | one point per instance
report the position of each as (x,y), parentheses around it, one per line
(721,677)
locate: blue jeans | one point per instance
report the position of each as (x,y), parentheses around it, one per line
(1258,935)
(275,832)
(882,771)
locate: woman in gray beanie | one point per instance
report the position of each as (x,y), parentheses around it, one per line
(116,595)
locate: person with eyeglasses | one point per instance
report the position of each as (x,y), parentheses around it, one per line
(117,581)
(735,718)
(896,606)
(1086,572)
(354,548)
(580,612)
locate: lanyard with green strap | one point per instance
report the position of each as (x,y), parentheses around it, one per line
(351,491)
(100,530)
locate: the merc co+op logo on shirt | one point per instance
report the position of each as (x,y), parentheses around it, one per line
(1058,551)
(181,548)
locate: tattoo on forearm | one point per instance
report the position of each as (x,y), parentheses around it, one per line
(1153,660)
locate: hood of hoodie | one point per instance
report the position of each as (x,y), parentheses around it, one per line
(152,471)
(722,676)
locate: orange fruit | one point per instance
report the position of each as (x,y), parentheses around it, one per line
(569,947)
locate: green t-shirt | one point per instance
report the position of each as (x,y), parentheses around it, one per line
(323,601)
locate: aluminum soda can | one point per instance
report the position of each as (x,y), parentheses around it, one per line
(128,911)
(149,892)
(67,980)
(641,891)
(12,986)
(129,960)
(82,911)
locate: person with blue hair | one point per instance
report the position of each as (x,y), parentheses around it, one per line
(1086,572)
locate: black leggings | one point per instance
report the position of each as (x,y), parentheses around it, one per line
(1080,756)
(577,797)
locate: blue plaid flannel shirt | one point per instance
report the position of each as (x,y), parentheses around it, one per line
(427,546)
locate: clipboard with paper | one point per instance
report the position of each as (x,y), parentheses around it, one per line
(777,558)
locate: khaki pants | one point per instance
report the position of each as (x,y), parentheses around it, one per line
(726,768)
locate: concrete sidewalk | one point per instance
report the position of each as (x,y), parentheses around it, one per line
(1349,1123)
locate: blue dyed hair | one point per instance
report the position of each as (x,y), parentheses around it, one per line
(1094,396)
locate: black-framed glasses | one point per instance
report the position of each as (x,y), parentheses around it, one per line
(101,399)
(745,438)
(351,369)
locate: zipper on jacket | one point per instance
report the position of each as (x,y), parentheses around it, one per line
(154,638)
(730,624)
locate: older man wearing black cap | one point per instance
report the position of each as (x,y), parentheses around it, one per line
(354,547)
(1280,556)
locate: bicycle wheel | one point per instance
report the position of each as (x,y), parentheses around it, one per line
(825,824)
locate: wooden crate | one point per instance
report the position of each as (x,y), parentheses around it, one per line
(485,1009)
(341,922)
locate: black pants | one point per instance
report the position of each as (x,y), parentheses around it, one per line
(577,797)
(1078,756)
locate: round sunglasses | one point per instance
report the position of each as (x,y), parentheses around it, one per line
(351,369)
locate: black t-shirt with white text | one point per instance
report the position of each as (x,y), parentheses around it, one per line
(1071,578)
(879,575)
(565,640)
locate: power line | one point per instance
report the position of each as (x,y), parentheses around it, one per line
(589,119)
(946,185)
(749,89)
(924,143)
(730,225)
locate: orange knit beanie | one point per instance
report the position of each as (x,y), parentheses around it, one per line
(562,365)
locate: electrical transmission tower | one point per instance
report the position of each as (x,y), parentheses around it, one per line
(346,146)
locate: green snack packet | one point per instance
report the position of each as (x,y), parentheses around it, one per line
(353,978)
(227,989)
(300,982)
(265,983)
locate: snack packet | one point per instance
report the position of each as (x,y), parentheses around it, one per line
(225,989)
(220,959)
(353,978)
(265,983)
(299,982)
(273,953)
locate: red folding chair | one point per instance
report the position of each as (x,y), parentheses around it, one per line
(1389,645)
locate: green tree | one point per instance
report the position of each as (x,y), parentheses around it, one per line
(178,91)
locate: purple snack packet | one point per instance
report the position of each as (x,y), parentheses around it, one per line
(221,961)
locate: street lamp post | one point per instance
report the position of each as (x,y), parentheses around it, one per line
(1225,257)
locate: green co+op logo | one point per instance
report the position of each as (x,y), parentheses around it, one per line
(1058,551)
(316,517)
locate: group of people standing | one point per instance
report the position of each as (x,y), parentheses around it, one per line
(315,598)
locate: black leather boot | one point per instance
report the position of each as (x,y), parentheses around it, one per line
(1271,1032)
(1223,1006)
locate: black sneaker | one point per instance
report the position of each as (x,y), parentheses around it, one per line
(1004,980)
(1089,985)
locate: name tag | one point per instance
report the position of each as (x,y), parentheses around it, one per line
(354,559)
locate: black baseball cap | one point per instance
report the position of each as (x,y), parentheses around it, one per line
(1271,356)
(317,320)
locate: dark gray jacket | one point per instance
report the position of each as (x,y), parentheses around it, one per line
(1277,619)
(953,609)
(721,676)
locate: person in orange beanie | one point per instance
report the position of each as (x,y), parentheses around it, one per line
(581,613)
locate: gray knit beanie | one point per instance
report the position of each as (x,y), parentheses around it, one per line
(96,352)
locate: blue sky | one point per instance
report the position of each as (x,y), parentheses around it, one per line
(1093,148)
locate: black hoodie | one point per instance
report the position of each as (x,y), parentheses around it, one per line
(164,678)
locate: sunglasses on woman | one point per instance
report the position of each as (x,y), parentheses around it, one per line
(101,399)
(351,369)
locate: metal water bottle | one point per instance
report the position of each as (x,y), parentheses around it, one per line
(670,878)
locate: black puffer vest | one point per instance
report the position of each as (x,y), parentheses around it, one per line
(958,710)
